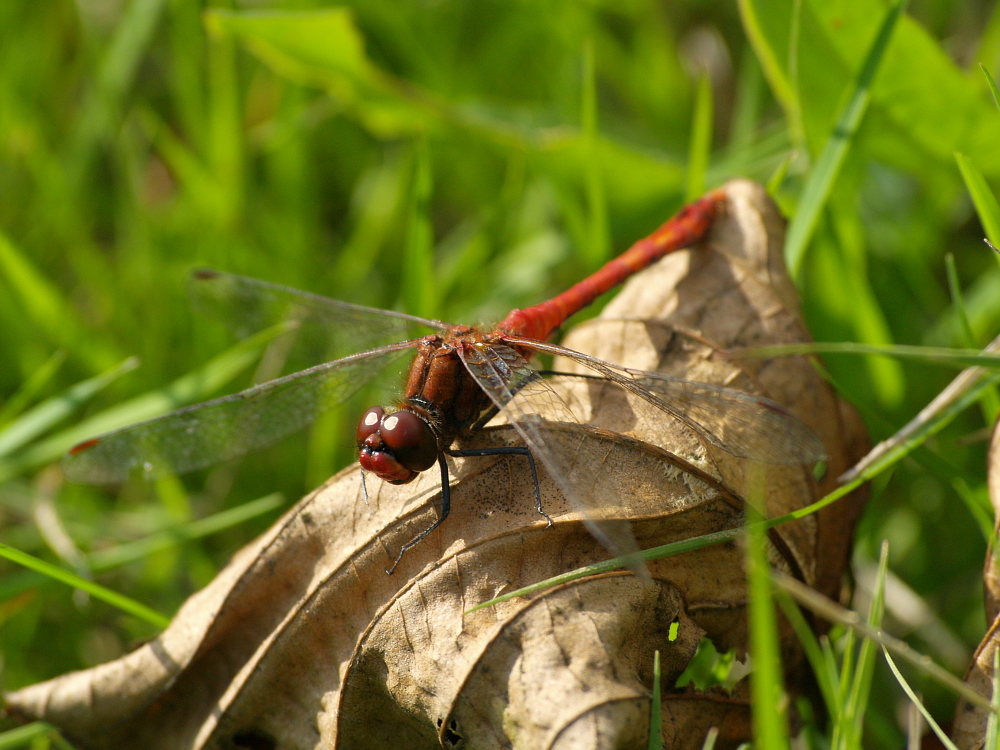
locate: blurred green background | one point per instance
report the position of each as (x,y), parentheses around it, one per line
(457,159)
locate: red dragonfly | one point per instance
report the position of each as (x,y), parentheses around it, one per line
(459,379)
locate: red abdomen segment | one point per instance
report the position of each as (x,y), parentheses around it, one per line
(687,227)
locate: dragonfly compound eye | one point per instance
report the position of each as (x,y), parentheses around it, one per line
(369,423)
(410,439)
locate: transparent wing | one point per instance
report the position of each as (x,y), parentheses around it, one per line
(530,405)
(325,327)
(213,431)
(741,424)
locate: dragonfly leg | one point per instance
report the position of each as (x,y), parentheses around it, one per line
(507,451)
(364,487)
(445,510)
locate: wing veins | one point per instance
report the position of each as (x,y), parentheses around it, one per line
(202,434)
(758,428)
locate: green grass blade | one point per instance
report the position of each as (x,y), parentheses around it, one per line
(844,669)
(958,301)
(326,48)
(194,177)
(418,253)
(748,106)
(700,146)
(781,84)
(993,721)
(833,612)
(966,389)
(122,554)
(225,154)
(777,177)
(768,699)
(983,199)
(31,388)
(824,669)
(115,557)
(843,251)
(655,741)
(935,727)
(124,603)
(25,736)
(992,84)
(991,402)
(857,699)
(316,46)
(614,563)
(103,105)
(596,245)
(935,355)
(665,550)
(978,510)
(45,308)
(796,116)
(823,175)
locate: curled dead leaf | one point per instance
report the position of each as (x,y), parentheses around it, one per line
(303,641)
(969,729)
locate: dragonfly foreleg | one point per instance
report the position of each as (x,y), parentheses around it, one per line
(510,451)
(364,487)
(445,510)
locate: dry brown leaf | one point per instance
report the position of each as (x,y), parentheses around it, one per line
(969,729)
(303,641)
(991,571)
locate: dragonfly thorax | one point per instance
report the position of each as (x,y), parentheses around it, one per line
(395,446)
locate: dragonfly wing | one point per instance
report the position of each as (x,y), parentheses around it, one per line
(742,424)
(532,406)
(745,425)
(326,325)
(216,430)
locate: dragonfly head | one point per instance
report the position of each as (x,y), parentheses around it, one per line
(395,446)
